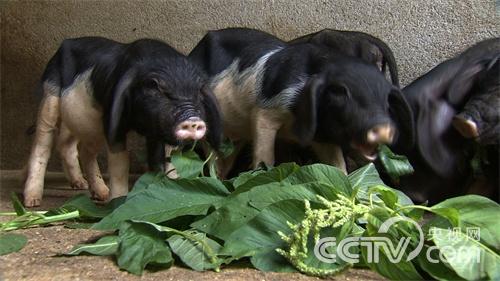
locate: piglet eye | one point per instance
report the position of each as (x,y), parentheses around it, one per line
(151,84)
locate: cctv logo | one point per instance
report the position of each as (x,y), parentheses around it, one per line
(395,253)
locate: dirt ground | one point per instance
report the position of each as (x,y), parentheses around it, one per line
(39,261)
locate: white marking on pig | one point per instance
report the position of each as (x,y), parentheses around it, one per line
(67,145)
(83,116)
(285,98)
(118,168)
(237,94)
(46,126)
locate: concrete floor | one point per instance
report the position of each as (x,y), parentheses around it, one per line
(39,261)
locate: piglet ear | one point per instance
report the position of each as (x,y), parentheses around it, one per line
(117,116)
(462,83)
(213,117)
(402,114)
(306,109)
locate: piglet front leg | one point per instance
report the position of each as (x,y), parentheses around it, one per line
(266,123)
(330,154)
(46,128)
(118,167)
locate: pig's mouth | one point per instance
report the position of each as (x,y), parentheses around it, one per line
(367,150)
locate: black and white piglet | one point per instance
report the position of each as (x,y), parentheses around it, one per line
(267,88)
(356,44)
(96,90)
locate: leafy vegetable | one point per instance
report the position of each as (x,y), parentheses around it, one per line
(26,218)
(187,163)
(275,216)
(395,165)
(106,246)
(140,245)
(11,242)
(165,200)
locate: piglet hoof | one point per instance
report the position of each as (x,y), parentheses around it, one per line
(32,201)
(80,184)
(100,194)
(33,192)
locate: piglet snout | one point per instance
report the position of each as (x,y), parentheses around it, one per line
(380,134)
(191,129)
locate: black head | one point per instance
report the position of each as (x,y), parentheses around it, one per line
(169,103)
(352,104)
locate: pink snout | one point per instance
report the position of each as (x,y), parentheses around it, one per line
(191,129)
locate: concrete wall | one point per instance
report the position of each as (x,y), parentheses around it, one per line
(421,32)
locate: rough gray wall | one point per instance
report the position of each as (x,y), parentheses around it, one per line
(422,33)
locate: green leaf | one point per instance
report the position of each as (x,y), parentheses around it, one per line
(194,254)
(18,206)
(141,244)
(366,177)
(88,208)
(261,233)
(105,246)
(246,176)
(439,270)
(475,212)
(187,163)
(226,148)
(469,258)
(403,270)
(238,210)
(451,214)
(11,242)
(387,195)
(395,165)
(146,181)
(326,174)
(165,200)
(276,174)
(271,261)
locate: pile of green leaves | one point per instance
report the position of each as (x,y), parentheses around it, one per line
(273,217)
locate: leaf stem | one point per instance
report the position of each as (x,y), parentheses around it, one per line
(8,214)
(32,219)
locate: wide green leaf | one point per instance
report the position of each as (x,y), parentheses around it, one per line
(11,242)
(146,181)
(366,177)
(88,208)
(468,257)
(261,233)
(395,165)
(106,246)
(167,199)
(276,174)
(187,163)
(140,245)
(436,268)
(477,212)
(326,174)
(403,270)
(237,211)
(194,254)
